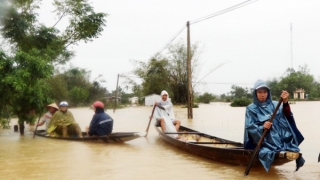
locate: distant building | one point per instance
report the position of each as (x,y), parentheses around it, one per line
(151,99)
(298,94)
(111,99)
(134,100)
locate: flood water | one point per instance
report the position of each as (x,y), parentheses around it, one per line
(25,157)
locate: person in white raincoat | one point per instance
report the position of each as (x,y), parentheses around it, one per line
(162,116)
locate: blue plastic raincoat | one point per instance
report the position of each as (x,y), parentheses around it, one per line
(282,136)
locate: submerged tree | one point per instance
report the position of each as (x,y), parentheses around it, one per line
(206,98)
(35,48)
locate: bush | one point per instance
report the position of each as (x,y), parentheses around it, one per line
(241,102)
(194,106)
(206,98)
(5,116)
(4,123)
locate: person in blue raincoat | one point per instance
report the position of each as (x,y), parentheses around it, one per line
(101,123)
(283,133)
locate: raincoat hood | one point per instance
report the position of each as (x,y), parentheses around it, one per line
(163,93)
(167,105)
(260,84)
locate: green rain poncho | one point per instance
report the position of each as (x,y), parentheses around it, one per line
(59,119)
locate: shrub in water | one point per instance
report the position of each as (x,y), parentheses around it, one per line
(241,102)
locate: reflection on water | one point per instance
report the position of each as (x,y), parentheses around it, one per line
(24,157)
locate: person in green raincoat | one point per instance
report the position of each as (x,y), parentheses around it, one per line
(63,123)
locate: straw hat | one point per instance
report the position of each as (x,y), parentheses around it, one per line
(54,105)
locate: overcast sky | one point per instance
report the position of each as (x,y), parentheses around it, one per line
(253,42)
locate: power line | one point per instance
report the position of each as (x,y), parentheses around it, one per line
(170,41)
(223,11)
(205,18)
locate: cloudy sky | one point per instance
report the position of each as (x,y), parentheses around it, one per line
(252,42)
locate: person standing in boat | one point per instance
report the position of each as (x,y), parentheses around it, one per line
(101,123)
(63,123)
(283,133)
(52,108)
(164,102)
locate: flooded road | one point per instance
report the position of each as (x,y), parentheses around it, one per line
(24,157)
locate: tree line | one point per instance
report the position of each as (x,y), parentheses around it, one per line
(290,81)
(169,72)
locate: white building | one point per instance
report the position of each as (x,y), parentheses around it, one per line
(134,100)
(152,98)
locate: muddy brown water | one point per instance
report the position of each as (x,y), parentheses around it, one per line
(24,157)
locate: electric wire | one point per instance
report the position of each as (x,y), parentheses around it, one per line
(170,41)
(245,3)
(205,18)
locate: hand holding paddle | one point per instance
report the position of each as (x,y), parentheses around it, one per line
(257,149)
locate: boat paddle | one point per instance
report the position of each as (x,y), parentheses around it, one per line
(257,149)
(161,107)
(150,121)
(35,130)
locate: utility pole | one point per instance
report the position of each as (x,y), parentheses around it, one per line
(291,46)
(115,101)
(190,94)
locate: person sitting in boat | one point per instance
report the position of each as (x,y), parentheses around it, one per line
(63,123)
(52,108)
(101,123)
(283,133)
(164,102)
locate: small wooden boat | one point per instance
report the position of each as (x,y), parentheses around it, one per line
(113,137)
(218,149)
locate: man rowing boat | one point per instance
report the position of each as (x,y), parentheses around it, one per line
(283,133)
(160,119)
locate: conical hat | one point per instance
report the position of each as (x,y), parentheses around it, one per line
(54,105)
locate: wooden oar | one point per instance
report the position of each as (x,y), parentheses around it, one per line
(236,143)
(150,121)
(34,133)
(184,133)
(257,149)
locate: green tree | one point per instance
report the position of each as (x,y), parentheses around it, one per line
(96,91)
(78,95)
(154,75)
(239,92)
(59,88)
(225,97)
(35,48)
(169,72)
(62,85)
(25,82)
(292,80)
